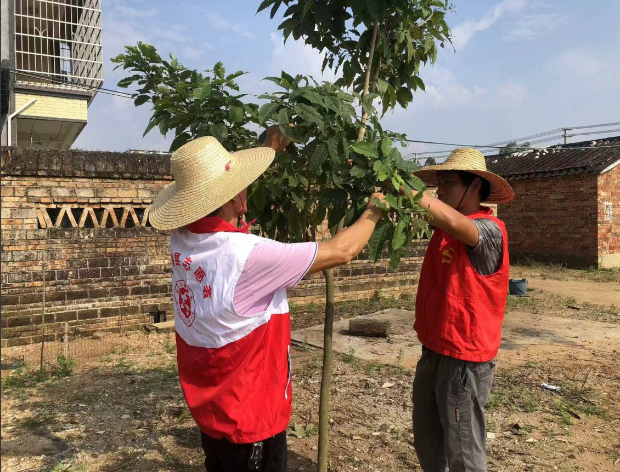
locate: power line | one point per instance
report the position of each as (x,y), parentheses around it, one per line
(593,126)
(525,138)
(117,93)
(593,132)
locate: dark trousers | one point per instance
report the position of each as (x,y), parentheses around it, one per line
(224,456)
(449,396)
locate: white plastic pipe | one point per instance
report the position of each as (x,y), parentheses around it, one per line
(13,115)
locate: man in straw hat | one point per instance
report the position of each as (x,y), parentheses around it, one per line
(231,312)
(459,312)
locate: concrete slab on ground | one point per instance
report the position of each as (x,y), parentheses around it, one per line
(520,330)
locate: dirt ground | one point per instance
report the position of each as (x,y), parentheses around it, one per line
(125,411)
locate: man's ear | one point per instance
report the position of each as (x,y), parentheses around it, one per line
(476,185)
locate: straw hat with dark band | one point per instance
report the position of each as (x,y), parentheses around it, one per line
(206,176)
(470,160)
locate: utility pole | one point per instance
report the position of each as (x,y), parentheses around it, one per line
(564,130)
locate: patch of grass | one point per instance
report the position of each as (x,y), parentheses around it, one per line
(23,379)
(349,358)
(496,400)
(169,347)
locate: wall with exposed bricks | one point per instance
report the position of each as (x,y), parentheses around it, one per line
(554,219)
(80,220)
(609,218)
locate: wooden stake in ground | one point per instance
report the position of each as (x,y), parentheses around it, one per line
(326,379)
(42,310)
(66,341)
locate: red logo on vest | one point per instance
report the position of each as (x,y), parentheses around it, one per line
(184,302)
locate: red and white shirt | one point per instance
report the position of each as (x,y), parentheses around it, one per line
(234,366)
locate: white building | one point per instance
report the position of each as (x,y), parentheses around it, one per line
(52,62)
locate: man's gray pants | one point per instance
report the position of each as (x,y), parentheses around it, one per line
(449,396)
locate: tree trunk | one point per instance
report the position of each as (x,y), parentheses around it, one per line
(362,130)
(326,379)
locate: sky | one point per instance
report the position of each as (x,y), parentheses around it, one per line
(518,67)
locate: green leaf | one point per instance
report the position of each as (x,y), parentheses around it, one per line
(298,199)
(307,7)
(179,141)
(309,114)
(164,125)
(419,82)
(415,183)
(357,172)
(332,146)
(186,74)
(141,99)
(317,158)
(258,197)
(264,112)
(149,127)
(203,92)
(236,114)
(406,165)
(378,239)
(375,8)
(336,214)
(365,148)
(264,4)
(127,81)
(395,259)
(283,119)
(392,201)
(294,223)
(382,86)
(299,431)
(334,196)
(399,238)
(219,131)
(219,71)
(386,146)
(404,96)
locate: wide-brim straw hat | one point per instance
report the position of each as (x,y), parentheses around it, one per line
(206,176)
(470,160)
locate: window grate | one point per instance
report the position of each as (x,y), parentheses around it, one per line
(59,39)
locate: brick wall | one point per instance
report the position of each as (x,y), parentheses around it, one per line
(553,219)
(80,219)
(609,219)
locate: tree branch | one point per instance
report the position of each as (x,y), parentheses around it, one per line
(362,131)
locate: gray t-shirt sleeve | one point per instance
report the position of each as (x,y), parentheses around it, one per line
(487,256)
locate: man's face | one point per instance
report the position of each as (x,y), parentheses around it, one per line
(450,188)
(242,202)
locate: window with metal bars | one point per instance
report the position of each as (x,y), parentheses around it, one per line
(58,39)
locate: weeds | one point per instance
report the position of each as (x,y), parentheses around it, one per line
(64,367)
(349,358)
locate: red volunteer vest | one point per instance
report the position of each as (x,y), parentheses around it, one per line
(240,391)
(459,313)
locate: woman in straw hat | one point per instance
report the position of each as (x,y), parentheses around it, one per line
(459,312)
(231,312)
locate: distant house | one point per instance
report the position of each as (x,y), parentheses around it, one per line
(567,203)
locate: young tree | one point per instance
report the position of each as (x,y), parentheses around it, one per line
(380,57)
(187,102)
